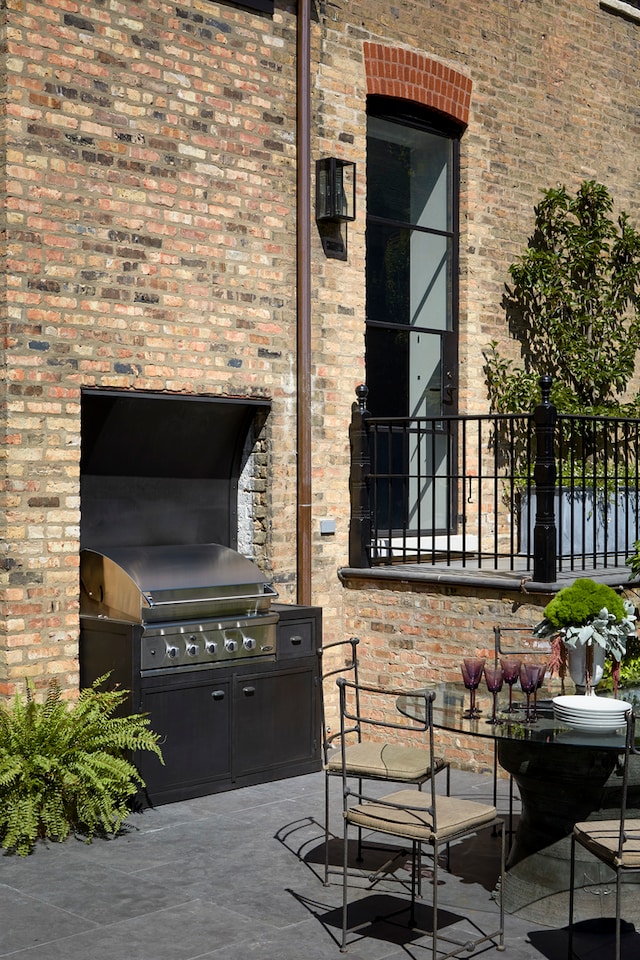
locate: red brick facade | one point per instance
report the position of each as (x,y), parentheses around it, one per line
(149,243)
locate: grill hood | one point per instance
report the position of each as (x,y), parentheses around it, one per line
(147,584)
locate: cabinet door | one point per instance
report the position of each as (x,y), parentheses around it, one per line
(193,720)
(274,720)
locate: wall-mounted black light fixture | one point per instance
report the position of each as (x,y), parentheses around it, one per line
(335,190)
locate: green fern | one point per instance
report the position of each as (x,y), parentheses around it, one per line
(64,767)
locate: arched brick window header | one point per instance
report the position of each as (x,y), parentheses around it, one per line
(394,72)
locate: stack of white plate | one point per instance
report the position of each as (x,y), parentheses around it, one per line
(591,714)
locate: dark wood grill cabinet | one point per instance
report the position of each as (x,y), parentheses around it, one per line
(228,676)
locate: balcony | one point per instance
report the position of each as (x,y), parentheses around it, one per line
(543,496)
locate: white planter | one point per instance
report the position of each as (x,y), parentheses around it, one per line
(586,522)
(577,657)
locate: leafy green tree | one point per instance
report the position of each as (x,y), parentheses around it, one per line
(573,306)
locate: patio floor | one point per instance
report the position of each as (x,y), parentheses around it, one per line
(238,875)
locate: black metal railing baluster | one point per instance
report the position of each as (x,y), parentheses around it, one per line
(461,492)
(496,495)
(513,493)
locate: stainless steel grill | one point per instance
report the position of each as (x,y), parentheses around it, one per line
(199,606)
(186,625)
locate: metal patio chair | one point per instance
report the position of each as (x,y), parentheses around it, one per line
(364,757)
(421,818)
(615,843)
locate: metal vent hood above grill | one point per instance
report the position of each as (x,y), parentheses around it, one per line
(163,469)
(147,584)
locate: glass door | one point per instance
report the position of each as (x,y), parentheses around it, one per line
(411,345)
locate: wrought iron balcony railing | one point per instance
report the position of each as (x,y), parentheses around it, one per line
(543,492)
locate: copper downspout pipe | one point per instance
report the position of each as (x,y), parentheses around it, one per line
(303,127)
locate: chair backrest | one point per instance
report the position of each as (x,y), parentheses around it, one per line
(518,642)
(367,706)
(348,666)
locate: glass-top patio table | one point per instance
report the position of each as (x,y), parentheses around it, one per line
(563,775)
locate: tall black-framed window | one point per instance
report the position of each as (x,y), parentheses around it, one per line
(411,307)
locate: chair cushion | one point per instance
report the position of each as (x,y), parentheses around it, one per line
(601,838)
(384,761)
(455,817)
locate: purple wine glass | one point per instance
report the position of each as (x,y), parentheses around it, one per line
(494,676)
(511,671)
(471,668)
(529,673)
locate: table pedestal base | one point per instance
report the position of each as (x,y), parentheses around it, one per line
(557,788)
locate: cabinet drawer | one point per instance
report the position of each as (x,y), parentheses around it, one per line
(295,639)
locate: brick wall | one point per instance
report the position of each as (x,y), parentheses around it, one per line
(416,634)
(149,155)
(150,195)
(551,99)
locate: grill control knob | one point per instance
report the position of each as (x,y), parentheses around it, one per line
(211,646)
(231,646)
(249,643)
(172,652)
(192,648)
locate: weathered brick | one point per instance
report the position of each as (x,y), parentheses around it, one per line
(150,245)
